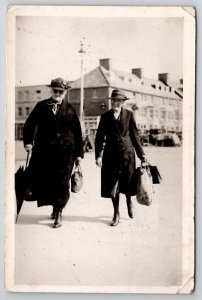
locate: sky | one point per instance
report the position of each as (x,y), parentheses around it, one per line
(47,47)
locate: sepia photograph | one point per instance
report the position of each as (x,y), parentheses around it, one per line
(100,114)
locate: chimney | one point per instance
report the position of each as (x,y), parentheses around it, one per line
(106,63)
(164,77)
(137,72)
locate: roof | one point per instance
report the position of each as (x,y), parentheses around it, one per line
(94,78)
(101,77)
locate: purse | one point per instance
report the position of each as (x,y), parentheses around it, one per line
(144,193)
(76,180)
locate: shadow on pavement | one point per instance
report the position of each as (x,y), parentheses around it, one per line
(45,220)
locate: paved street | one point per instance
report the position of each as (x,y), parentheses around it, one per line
(86,251)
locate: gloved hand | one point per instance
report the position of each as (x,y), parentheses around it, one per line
(143,159)
(77,160)
(28,147)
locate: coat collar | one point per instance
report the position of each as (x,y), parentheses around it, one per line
(122,119)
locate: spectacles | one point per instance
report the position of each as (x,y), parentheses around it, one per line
(58,91)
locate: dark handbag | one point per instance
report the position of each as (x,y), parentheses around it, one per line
(77,179)
(156,177)
(144,186)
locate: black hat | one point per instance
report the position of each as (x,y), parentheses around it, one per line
(59,83)
(118,95)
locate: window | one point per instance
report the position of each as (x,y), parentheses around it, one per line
(177,115)
(27,95)
(170,89)
(163,114)
(156,113)
(19,94)
(27,111)
(38,92)
(94,94)
(144,112)
(19,111)
(151,113)
(19,131)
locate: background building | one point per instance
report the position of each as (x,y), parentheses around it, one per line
(157,104)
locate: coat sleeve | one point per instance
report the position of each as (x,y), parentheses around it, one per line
(100,137)
(77,136)
(30,126)
(135,137)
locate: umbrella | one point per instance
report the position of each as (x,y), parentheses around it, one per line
(22,189)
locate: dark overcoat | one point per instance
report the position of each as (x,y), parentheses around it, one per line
(57,141)
(115,143)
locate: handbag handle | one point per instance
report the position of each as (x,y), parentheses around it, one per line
(146,167)
(78,167)
(27,160)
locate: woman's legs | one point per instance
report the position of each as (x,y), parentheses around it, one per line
(130,206)
(116,217)
(52,217)
(58,218)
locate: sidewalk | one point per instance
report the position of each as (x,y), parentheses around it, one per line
(145,250)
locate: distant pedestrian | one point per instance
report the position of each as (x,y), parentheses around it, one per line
(53,133)
(116,139)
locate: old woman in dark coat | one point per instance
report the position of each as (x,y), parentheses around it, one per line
(53,133)
(117,135)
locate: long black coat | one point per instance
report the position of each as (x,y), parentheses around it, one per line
(57,141)
(118,139)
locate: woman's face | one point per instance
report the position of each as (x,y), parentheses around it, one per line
(116,105)
(58,94)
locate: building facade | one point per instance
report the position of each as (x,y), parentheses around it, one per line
(157,104)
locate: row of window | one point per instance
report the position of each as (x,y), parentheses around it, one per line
(20,111)
(142,126)
(154,100)
(155,86)
(26,95)
(162,114)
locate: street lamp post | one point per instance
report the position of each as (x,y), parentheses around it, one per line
(82,53)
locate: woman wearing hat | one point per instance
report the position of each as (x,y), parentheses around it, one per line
(53,133)
(117,135)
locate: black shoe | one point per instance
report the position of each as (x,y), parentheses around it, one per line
(115,220)
(58,219)
(130,209)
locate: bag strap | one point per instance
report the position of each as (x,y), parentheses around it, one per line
(146,167)
(78,168)
(27,160)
